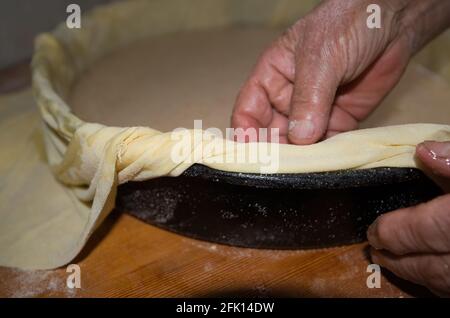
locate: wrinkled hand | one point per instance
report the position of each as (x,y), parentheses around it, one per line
(414,243)
(326,73)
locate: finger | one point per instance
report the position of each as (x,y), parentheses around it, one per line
(275,72)
(435,155)
(269,86)
(331,133)
(280,123)
(316,82)
(252,108)
(430,270)
(341,120)
(280,94)
(420,229)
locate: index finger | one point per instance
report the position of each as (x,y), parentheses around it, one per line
(419,229)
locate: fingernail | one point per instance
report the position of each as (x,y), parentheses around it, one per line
(437,150)
(372,235)
(301,129)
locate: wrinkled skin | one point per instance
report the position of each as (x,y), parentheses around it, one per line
(328,72)
(414,242)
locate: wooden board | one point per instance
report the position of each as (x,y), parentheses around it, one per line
(128,258)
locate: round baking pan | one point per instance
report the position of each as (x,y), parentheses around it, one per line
(275,211)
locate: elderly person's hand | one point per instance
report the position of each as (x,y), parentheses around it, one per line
(330,70)
(414,243)
(327,73)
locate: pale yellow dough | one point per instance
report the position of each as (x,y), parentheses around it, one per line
(91,159)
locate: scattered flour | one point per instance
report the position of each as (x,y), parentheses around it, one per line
(26,284)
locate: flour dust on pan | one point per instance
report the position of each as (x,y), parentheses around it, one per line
(285,211)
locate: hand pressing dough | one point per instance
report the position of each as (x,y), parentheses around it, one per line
(91,159)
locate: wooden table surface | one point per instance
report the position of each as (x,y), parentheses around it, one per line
(128,258)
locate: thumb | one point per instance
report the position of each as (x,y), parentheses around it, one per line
(316,82)
(436,156)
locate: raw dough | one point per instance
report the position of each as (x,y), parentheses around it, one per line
(92,159)
(170,80)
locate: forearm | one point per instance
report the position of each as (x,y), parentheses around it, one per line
(423,20)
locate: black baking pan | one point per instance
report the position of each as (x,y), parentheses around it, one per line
(274,211)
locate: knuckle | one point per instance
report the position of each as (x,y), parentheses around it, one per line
(252,81)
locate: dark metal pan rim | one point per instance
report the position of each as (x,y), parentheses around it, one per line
(277,211)
(340,179)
